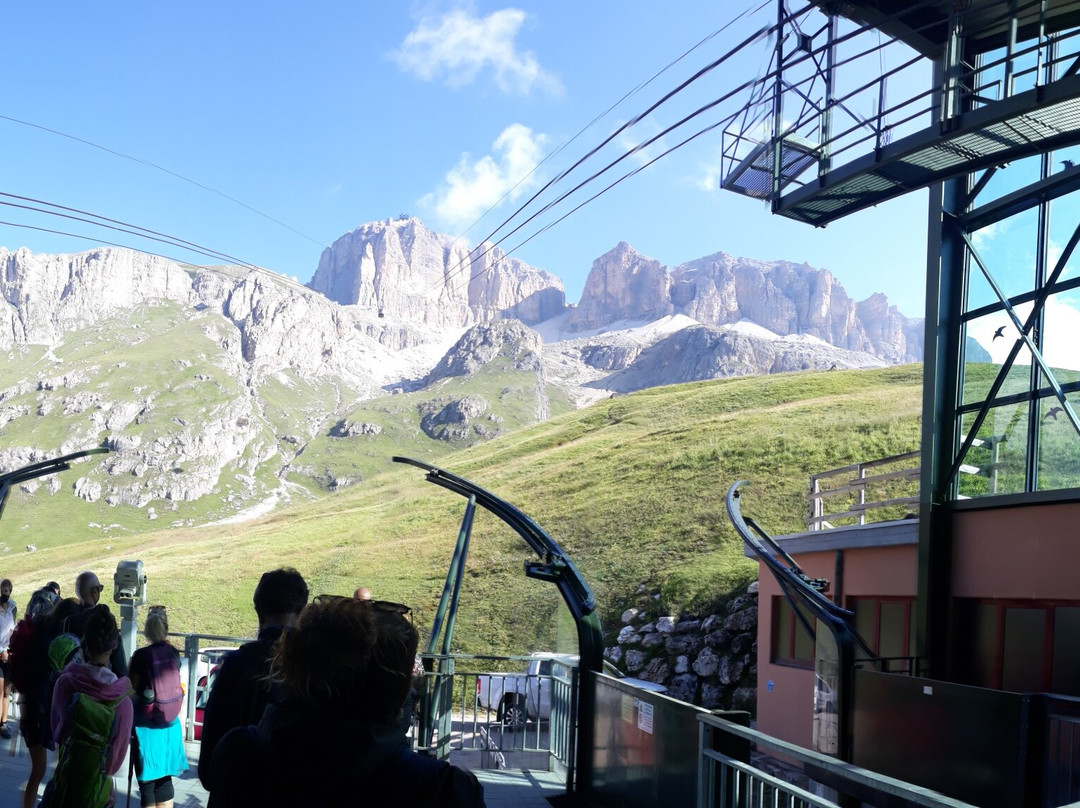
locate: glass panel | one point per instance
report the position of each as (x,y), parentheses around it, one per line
(996,461)
(782,620)
(983,354)
(1014,176)
(804,646)
(1064,219)
(893,629)
(986,241)
(865,621)
(1061,335)
(1059,445)
(1023,651)
(976,642)
(1066,651)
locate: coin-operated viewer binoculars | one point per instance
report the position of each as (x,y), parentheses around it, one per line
(129,590)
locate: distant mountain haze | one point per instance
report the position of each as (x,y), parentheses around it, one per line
(223,391)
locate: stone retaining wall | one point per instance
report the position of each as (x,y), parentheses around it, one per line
(710,661)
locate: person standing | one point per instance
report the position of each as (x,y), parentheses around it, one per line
(29,670)
(8,618)
(242,688)
(88,757)
(158,749)
(335,735)
(88,590)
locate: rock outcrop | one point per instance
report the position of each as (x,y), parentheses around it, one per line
(402,270)
(719,289)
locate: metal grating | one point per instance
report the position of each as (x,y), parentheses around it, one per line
(1026,124)
(753,176)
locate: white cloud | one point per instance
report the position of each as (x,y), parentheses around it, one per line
(474,186)
(459,45)
(1060,337)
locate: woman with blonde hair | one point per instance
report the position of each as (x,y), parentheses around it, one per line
(158,749)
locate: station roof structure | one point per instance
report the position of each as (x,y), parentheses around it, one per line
(924,26)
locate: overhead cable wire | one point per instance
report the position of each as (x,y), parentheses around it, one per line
(641,86)
(82,237)
(178,261)
(643,145)
(626,176)
(753,38)
(155,235)
(754,84)
(120,226)
(134,232)
(163,169)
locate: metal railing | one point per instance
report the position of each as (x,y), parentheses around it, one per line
(888,488)
(899,487)
(538,732)
(826,781)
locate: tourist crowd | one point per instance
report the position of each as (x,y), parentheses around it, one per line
(310,713)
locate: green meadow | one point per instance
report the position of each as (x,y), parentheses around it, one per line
(631,488)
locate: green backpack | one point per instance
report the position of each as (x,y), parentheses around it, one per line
(80,780)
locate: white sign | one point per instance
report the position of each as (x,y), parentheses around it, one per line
(644,717)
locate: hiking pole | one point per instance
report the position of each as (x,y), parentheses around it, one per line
(131,770)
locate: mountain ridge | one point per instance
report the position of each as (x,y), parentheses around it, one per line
(221,389)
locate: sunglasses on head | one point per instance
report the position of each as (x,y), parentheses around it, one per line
(377,605)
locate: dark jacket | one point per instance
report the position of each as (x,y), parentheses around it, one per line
(320,757)
(239,696)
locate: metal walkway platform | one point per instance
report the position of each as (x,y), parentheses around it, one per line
(511,788)
(1026,124)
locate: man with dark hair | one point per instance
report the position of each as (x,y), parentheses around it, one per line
(242,689)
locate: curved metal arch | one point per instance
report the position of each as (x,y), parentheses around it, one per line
(557,568)
(40,469)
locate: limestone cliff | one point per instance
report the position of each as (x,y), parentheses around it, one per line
(783,297)
(401,269)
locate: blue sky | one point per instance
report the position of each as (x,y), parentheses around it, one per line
(327,115)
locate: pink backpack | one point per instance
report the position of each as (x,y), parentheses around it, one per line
(163,694)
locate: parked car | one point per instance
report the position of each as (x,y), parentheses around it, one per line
(206,670)
(519,697)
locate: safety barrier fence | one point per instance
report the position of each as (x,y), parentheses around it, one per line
(523,716)
(726,776)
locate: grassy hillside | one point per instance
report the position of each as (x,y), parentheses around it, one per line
(632,488)
(199,435)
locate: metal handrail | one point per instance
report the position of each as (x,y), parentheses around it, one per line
(720,774)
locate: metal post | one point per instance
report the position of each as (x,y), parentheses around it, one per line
(129,629)
(191,652)
(778,107)
(830,86)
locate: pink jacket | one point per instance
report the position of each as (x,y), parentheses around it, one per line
(100,684)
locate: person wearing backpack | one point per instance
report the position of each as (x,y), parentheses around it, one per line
(158,750)
(91,719)
(29,672)
(8,617)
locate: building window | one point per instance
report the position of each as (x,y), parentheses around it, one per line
(791,644)
(885,625)
(1017,646)
(1015,408)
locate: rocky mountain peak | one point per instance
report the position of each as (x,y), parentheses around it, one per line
(519,347)
(405,271)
